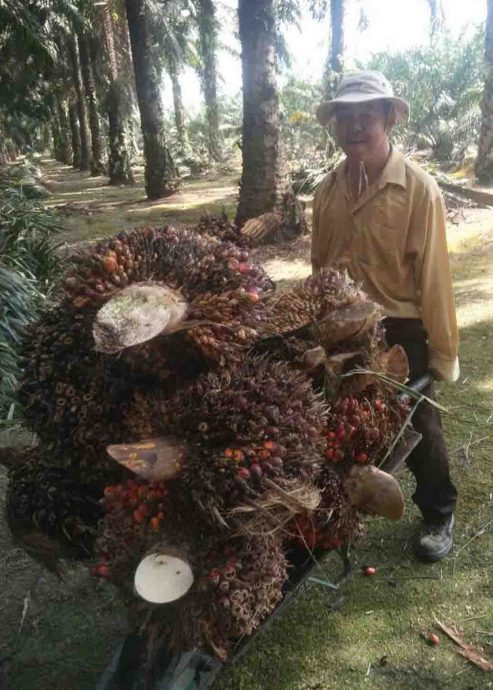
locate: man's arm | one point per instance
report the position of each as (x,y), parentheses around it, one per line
(433,277)
(314,251)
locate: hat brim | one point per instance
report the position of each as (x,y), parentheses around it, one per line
(325,111)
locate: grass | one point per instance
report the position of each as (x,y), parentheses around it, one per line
(374,639)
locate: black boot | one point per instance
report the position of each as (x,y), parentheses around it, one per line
(435,540)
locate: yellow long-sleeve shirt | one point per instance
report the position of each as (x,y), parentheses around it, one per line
(393,241)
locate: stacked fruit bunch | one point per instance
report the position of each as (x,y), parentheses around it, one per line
(361,426)
(51,514)
(334,522)
(75,398)
(310,301)
(220,226)
(244,424)
(71,397)
(134,513)
(242,590)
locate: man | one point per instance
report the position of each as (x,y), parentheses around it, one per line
(382,217)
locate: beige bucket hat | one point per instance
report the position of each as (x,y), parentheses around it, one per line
(361,87)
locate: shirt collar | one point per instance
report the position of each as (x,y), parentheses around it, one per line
(394,171)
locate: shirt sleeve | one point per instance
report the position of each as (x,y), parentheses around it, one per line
(434,281)
(315,250)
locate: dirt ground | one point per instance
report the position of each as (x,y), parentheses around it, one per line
(59,635)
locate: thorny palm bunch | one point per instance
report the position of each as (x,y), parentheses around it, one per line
(310,301)
(49,512)
(74,397)
(221,228)
(247,426)
(239,583)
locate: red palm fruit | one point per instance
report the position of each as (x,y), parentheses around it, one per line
(243,473)
(361,457)
(369,571)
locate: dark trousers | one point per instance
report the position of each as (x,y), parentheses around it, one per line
(435,494)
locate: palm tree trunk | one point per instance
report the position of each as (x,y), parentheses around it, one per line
(334,66)
(66,146)
(85,136)
(160,173)
(179,110)
(262,182)
(437,17)
(119,168)
(207,46)
(484,160)
(56,137)
(97,159)
(75,133)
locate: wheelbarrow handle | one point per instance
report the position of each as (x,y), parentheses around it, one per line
(421,382)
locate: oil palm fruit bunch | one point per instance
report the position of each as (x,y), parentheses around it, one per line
(335,522)
(72,396)
(134,512)
(246,425)
(50,514)
(220,227)
(360,427)
(239,591)
(311,301)
(238,582)
(75,397)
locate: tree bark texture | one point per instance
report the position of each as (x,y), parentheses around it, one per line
(119,167)
(484,160)
(179,110)
(85,136)
(262,182)
(74,132)
(334,65)
(207,47)
(98,166)
(65,134)
(160,175)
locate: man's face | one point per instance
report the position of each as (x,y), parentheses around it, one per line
(360,128)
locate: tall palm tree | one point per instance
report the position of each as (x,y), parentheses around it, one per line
(65,136)
(208,38)
(85,135)
(119,168)
(336,51)
(262,179)
(484,160)
(160,174)
(437,16)
(74,131)
(98,166)
(179,110)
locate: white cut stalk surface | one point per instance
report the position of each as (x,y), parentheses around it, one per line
(161,578)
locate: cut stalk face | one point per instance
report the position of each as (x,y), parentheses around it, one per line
(163,577)
(375,492)
(137,314)
(154,459)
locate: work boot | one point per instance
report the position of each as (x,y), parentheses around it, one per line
(435,540)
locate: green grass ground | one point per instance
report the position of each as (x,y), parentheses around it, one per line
(59,635)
